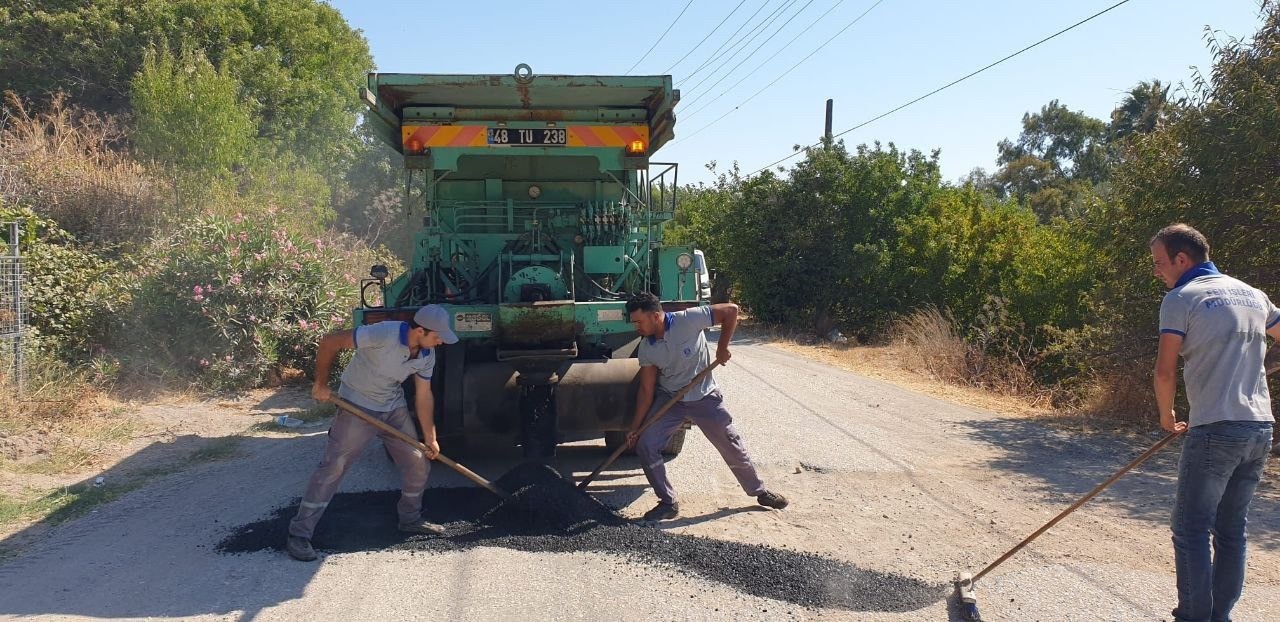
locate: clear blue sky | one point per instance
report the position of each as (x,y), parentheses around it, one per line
(900,50)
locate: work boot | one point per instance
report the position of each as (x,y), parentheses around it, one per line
(771,500)
(422,526)
(300,549)
(663,511)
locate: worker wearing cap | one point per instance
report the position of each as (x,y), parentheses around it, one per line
(386,353)
(1219,325)
(673,349)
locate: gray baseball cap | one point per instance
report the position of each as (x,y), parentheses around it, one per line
(434,317)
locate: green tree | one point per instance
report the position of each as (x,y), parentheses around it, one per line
(189,116)
(1144,108)
(812,249)
(297,59)
(1059,153)
(1214,165)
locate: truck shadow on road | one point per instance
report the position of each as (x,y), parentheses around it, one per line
(1069,462)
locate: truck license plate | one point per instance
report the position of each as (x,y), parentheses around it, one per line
(537,137)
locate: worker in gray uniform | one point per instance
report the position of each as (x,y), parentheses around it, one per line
(386,353)
(1219,325)
(673,349)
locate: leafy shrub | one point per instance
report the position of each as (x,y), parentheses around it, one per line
(70,291)
(235,301)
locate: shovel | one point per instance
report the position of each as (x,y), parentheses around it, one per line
(468,473)
(656,416)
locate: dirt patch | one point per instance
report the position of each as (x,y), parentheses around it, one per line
(49,467)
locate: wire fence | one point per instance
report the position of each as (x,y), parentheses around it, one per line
(13,311)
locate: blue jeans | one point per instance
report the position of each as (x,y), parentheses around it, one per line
(1217,475)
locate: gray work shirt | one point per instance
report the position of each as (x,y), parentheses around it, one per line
(681,353)
(1223,324)
(381,363)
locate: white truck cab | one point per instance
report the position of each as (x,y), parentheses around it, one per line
(704,276)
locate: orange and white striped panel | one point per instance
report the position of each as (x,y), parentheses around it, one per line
(607,135)
(419,137)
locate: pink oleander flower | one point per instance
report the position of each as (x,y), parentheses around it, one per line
(235,279)
(198,298)
(303,324)
(197,290)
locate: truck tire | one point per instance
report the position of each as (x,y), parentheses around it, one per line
(614,440)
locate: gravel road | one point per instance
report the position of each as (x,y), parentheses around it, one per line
(886,486)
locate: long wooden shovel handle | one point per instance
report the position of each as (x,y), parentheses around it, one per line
(468,473)
(656,416)
(1092,493)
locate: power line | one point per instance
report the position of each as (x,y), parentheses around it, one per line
(725,75)
(950,84)
(715,56)
(773,17)
(775,80)
(664,34)
(788,44)
(704,39)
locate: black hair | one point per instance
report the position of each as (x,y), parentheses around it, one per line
(643,301)
(1183,238)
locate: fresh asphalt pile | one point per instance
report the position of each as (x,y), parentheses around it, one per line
(544,502)
(547,514)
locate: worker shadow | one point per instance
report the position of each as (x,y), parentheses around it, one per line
(685,521)
(1067,460)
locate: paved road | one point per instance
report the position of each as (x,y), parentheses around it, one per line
(881,478)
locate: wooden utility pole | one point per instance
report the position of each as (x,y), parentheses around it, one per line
(827,131)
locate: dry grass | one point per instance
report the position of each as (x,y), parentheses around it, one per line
(67,164)
(924,354)
(60,423)
(932,345)
(1124,397)
(888,362)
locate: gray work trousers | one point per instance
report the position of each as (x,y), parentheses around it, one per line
(348,437)
(710,415)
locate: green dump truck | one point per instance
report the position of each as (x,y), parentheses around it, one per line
(541,210)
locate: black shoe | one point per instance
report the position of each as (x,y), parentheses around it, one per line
(771,500)
(663,511)
(300,549)
(422,526)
